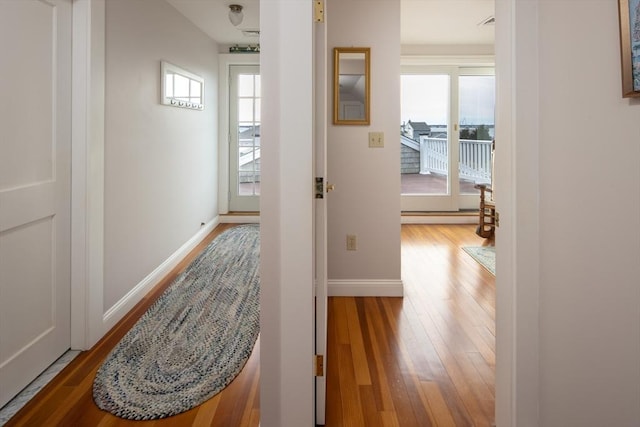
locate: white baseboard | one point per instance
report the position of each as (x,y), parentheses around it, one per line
(365,288)
(439,219)
(404,219)
(126,303)
(240,219)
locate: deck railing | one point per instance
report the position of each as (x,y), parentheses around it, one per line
(474,158)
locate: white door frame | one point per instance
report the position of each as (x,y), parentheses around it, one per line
(87,165)
(516,196)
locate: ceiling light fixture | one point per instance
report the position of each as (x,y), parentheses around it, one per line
(235,14)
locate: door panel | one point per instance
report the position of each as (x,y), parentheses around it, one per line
(477,130)
(35,41)
(427,181)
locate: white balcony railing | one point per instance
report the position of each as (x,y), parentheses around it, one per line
(474,159)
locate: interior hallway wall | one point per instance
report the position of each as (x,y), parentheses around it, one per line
(366,201)
(568,293)
(160,162)
(589,221)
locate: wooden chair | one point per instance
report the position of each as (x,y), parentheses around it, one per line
(487,212)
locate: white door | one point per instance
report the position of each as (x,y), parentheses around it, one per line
(320,212)
(35,143)
(244,138)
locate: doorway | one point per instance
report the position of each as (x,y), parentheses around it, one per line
(446,136)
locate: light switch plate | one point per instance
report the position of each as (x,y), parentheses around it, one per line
(376,139)
(352,242)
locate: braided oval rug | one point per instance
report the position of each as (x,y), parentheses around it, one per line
(194,340)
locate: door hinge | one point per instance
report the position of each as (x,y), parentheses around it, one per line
(497,219)
(319,187)
(318,11)
(319,365)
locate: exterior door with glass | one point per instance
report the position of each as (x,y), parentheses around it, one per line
(446,137)
(244,138)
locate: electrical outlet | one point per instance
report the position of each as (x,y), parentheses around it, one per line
(376,139)
(352,242)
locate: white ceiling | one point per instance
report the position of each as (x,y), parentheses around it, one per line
(212,17)
(424,22)
(446,22)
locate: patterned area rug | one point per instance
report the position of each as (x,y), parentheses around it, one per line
(194,340)
(485,255)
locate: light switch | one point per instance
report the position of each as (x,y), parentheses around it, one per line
(376,139)
(352,242)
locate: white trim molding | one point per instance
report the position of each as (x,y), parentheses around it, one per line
(439,219)
(135,295)
(239,219)
(87,177)
(365,288)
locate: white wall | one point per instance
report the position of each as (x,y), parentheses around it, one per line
(366,201)
(589,222)
(576,212)
(160,161)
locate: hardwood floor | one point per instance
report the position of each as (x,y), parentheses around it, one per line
(427,359)
(423,360)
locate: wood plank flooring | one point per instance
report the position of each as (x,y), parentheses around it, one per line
(426,359)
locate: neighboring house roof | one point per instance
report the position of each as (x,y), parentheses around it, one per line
(411,143)
(419,127)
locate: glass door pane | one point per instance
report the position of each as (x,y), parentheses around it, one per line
(244,138)
(248,129)
(477,130)
(427,171)
(424,134)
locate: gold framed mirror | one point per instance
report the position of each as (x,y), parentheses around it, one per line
(351,83)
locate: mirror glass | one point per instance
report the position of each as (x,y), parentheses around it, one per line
(351,85)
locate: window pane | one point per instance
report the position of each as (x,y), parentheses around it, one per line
(181,88)
(168,85)
(245,85)
(477,107)
(424,134)
(196,91)
(245,110)
(249,171)
(248,141)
